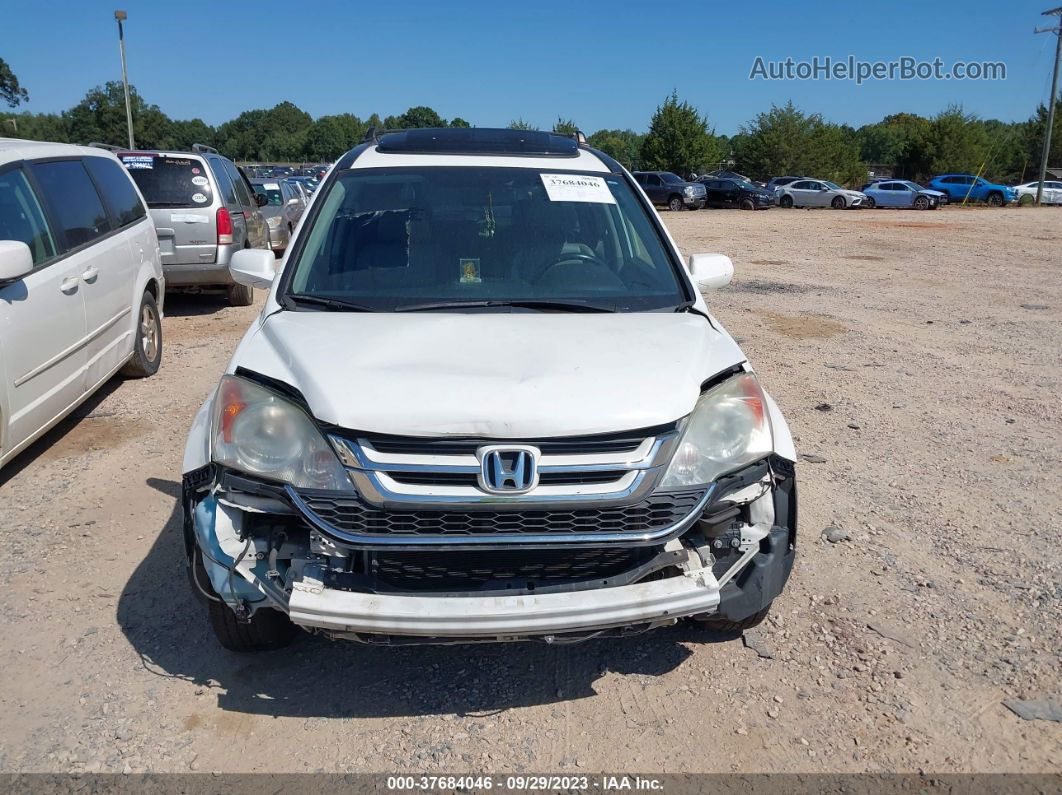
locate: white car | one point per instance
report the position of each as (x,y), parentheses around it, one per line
(81,283)
(1052,193)
(485,400)
(819,193)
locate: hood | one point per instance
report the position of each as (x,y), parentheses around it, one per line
(858,194)
(930,192)
(494,375)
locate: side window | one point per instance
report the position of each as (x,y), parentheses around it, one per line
(73,199)
(639,178)
(652,179)
(21,217)
(243,195)
(117,189)
(225,186)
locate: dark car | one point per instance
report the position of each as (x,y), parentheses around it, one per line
(736,193)
(665,189)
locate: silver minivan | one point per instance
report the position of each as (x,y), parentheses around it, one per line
(204,210)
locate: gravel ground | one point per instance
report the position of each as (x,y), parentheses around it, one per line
(917,358)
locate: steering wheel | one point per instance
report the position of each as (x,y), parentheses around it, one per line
(574,258)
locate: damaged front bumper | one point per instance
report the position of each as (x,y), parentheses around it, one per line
(729,558)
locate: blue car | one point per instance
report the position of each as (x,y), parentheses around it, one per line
(967,187)
(901,193)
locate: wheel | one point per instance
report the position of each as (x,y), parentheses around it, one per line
(675,204)
(147,347)
(870,204)
(747,204)
(240,295)
(786,201)
(268,629)
(995,200)
(1026,200)
(838,203)
(713,623)
(921,203)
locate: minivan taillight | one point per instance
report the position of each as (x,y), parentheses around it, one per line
(224,227)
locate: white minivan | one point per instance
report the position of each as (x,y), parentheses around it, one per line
(485,401)
(81,284)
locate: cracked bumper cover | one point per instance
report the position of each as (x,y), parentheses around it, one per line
(313,605)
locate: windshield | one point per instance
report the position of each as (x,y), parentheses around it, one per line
(747,185)
(913,185)
(271,190)
(667,176)
(420,237)
(831,185)
(169,181)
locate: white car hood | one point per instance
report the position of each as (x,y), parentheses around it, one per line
(494,375)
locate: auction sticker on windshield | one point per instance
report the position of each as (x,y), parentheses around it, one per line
(577,188)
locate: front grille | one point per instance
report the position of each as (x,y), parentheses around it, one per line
(352,516)
(571,445)
(464,479)
(438,571)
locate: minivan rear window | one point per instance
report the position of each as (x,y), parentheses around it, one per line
(168,180)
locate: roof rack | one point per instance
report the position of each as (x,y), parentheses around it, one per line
(108,147)
(204,148)
(474,141)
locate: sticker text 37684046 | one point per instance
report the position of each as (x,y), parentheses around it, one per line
(577,188)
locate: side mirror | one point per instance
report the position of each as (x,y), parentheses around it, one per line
(260,200)
(254,267)
(16,260)
(711,271)
(293,201)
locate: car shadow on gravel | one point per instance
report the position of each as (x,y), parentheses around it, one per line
(316,677)
(181,304)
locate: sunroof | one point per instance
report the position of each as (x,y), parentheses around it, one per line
(479,141)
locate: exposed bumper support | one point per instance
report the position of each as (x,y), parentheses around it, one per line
(313,605)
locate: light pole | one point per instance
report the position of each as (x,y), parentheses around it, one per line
(120,16)
(1051,102)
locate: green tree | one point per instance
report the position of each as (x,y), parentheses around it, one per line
(679,139)
(191,131)
(100,116)
(520,124)
(35,126)
(457,121)
(565,126)
(623,145)
(240,138)
(10,91)
(419,116)
(957,141)
(331,136)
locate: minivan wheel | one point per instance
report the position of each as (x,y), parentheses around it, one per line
(838,203)
(713,623)
(268,629)
(147,346)
(675,204)
(746,204)
(786,202)
(240,295)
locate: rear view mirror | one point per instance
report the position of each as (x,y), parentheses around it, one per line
(260,200)
(254,267)
(711,271)
(16,260)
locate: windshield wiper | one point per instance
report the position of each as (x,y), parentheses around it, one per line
(335,304)
(544,305)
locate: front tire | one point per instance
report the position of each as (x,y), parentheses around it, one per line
(995,200)
(747,204)
(147,346)
(786,202)
(675,204)
(870,204)
(838,203)
(240,295)
(267,630)
(1026,200)
(722,626)
(921,203)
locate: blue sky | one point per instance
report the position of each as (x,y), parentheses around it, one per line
(603,64)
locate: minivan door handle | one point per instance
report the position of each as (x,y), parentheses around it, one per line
(91,274)
(69,284)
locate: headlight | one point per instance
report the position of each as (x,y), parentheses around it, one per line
(273,222)
(689,191)
(258,432)
(729,428)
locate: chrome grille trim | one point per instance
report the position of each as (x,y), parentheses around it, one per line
(377,474)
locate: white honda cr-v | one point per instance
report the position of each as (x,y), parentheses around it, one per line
(485,400)
(81,284)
